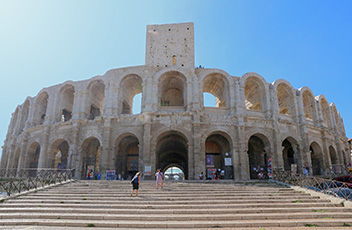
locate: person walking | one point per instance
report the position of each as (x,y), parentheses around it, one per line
(136,180)
(159,178)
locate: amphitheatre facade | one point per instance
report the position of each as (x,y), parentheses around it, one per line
(254,125)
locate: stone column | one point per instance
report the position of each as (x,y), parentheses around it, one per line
(51,109)
(23,155)
(73,158)
(198,156)
(106,162)
(43,148)
(145,158)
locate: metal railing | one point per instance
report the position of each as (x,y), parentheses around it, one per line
(17,181)
(318,184)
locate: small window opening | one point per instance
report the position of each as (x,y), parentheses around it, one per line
(165,65)
(94,112)
(137,104)
(169,29)
(126,108)
(174,60)
(182,64)
(42,118)
(66,115)
(187,28)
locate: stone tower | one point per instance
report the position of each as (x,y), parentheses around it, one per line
(170,45)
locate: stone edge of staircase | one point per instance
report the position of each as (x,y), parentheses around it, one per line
(2,199)
(332,199)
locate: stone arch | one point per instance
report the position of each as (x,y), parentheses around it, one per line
(90,157)
(172,89)
(24,115)
(130,86)
(309,104)
(65,103)
(41,105)
(33,153)
(58,154)
(285,97)
(218,155)
(333,156)
(127,155)
(289,152)
(217,83)
(14,120)
(325,110)
(96,98)
(254,91)
(336,116)
(172,149)
(174,176)
(316,154)
(258,154)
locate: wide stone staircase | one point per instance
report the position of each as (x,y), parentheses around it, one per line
(191,204)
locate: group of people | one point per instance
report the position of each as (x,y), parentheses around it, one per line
(136,181)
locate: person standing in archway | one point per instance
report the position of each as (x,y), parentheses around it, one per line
(159,178)
(136,180)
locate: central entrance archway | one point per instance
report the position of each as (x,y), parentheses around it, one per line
(172,151)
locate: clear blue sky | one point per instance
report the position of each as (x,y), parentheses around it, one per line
(308,43)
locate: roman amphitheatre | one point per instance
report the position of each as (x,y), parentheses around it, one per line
(253,126)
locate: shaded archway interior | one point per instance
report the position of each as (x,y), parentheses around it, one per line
(172,149)
(257,155)
(90,156)
(126,162)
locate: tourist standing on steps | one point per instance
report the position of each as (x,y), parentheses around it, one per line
(136,180)
(159,178)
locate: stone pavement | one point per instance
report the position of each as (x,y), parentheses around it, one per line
(180,205)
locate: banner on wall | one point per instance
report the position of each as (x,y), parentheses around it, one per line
(210,160)
(147,170)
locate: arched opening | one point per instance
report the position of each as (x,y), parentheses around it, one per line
(90,157)
(258,155)
(174,172)
(333,156)
(288,154)
(24,115)
(209,100)
(33,158)
(309,106)
(41,106)
(59,155)
(172,150)
(215,85)
(172,89)
(131,86)
(65,101)
(344,158)
(316,155)
(254,93)
(137,104)
(127,159)
(218,157)
(326,112)
(285,99)
(96,98)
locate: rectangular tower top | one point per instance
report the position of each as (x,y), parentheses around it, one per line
(170,45)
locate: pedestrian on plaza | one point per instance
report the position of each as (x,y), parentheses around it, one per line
(159,176)
(261,176)
(136,180)
(306,169)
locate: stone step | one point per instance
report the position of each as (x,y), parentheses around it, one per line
(177,217)
(175,211)
(178,211)
(179,224)
(164,202)
(174,206)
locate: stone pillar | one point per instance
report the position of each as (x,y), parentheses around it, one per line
(23,155)
(189,96)
(198,156)
(74,159)
(145,158)
(51,109)
(106,162)
(43,149)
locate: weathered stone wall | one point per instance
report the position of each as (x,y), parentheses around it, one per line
(97,122)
